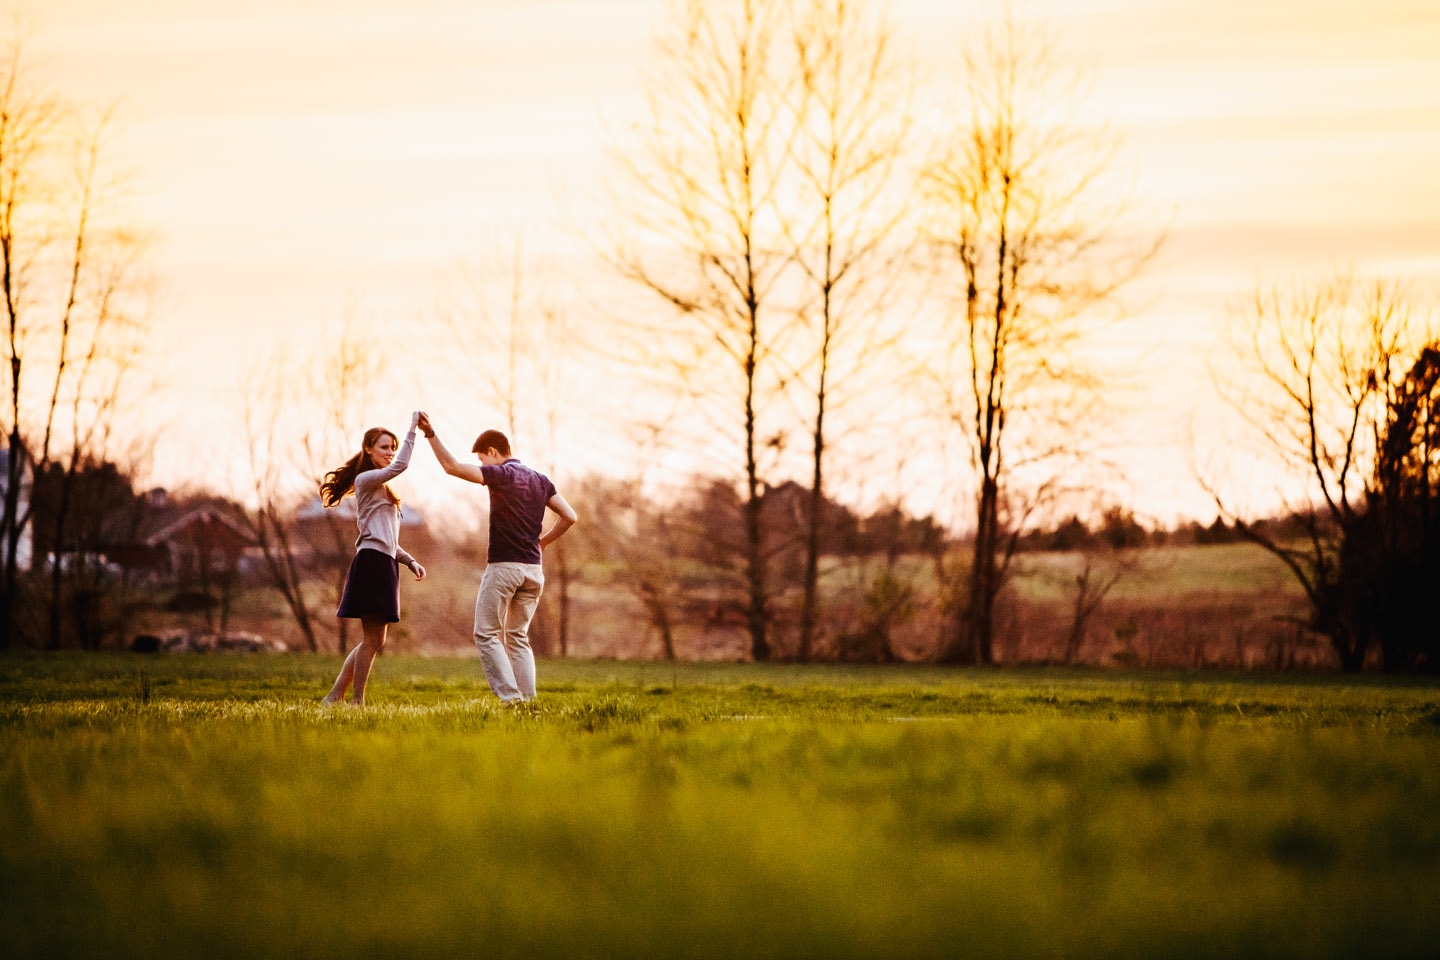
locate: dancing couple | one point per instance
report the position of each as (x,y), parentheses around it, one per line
(513,580)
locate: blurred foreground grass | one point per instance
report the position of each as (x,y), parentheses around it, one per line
(207,806)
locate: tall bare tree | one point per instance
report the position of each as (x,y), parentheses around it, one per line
(25,125)
(1325,376)
(700,200)
(98,344)
(853,131)
(492,323)
(268,403)
(68,280)
(509,335)
(1026,240)
(552,380)
(341,386)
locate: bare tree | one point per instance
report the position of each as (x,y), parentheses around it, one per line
(25,125)
(98,346)
(69,283)
(1103,566)
(853,130)
(1325,379)
(551,380)
(636,533)
(341,385)
(701,202)
(1026,239)
(887,592)
(491,328)
(511,335)
(267,398)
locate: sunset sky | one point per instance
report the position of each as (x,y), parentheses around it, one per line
(297,160)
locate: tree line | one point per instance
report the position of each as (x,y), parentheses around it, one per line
(678,561)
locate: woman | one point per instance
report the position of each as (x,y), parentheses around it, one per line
(372,587)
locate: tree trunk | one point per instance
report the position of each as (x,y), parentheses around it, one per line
(979,624)
(1090,592)
(275,546)
(227,591)
(13,529)
(817,505)
(660,617)
(342,626)
(759,644)
(1350,650)
(754,543)
(57,577)
(812,555)
(563,570)
(817,497)
(341,544)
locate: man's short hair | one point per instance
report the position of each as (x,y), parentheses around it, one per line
(492,440)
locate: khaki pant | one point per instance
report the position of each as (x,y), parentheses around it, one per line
(509,593)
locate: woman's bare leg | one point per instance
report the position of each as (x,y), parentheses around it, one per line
(374,631)
(342,682)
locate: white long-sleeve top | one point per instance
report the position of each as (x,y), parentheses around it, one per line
(377,517)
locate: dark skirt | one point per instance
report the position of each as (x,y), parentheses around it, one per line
(372,587)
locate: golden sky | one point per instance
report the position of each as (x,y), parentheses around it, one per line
(298,159)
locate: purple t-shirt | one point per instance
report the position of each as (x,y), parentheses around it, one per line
(518,496)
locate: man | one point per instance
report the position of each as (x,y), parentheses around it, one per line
(510,588)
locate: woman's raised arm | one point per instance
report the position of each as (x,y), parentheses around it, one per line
(398,464)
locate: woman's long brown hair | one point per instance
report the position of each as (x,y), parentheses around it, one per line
(340,482)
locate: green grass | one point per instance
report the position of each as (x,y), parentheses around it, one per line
(197,806)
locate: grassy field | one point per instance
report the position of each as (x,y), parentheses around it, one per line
(195,806)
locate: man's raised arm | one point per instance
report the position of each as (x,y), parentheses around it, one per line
(448,463)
